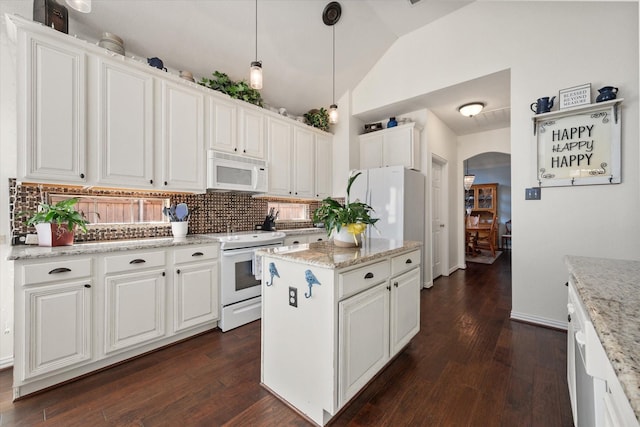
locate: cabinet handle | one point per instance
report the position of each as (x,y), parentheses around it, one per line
(197,254)
(566,284)
(368,275)
(235,149)
(408,261)
(569,318)
(296,242)
(82,175)
(137,261)
(60,270)
(164,274)
(178,271)
(166,183)
(87,286)
(150,181)
(244,151)
(395,284)
(389,288)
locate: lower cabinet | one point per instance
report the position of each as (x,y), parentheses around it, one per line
(76,314)
(297,239)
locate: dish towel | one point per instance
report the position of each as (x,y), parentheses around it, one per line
(256,265)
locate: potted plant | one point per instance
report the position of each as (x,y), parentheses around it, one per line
(237,90)
(55,223)
(318,119)
(345,221)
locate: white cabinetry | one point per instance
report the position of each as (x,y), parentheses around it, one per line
(396,146)
(195,290)
(303,162)
(124,105)
(251,138)
(51,110)
(134,299)
(183,159)
(304,238)
(324,168)
(280,152)
(222,124)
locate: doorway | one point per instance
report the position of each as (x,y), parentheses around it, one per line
(439,214)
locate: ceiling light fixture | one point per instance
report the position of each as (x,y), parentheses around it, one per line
(470,110)
(468,179)
(255,71)
(330,16)
(83,6)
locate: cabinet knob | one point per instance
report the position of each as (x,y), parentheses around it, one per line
(395,284)
(244,151)
(178,271)
(389,288)
(235,149)
(82,175)
(87,286)
(164,274)
(166,183)
(369,275)
(150,181)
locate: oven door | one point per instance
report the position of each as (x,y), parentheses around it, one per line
(237,282)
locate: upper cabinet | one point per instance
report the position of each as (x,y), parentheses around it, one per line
(396,146)
(251,140)
(125,134)
(303,162)
(51,111)
(183,159)
(324,168)
(222,119)
(280,151)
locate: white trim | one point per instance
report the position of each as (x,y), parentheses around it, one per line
(6,362)
(542,321)
(428,284)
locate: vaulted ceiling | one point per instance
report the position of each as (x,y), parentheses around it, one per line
(293,43)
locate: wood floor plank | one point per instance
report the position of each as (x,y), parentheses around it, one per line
(470,365)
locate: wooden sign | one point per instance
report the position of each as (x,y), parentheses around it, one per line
(579,147)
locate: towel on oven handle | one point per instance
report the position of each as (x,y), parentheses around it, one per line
(256,265)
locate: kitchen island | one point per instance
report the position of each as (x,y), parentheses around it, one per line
(332,318)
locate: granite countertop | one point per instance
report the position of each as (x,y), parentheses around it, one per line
(299,231)
(32,252)
(610,290)
(326,254)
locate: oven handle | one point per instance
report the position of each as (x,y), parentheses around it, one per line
(234,252)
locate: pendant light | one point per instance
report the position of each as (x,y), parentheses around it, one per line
(83,6)
(330,16)
(468,179)
(255,71)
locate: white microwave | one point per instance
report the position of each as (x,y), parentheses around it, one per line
(236,173)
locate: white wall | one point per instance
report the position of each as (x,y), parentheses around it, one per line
(581,42)
(8,165)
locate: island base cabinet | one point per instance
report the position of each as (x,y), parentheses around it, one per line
(298,344)
(363,339)
(57,327)
(135,307)
(405,309)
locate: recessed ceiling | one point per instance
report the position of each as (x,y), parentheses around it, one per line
(294,44)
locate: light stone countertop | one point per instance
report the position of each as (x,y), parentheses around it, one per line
(610,291)
(299,231)
(33,252)
(326,254)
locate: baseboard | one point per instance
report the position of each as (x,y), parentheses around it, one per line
(428,285)
(537,320)
(6,362)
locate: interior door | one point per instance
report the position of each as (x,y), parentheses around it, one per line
(437,224)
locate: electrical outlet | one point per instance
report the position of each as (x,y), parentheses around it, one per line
(532,193)
(293,296)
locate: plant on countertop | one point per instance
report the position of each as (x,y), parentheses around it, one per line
(238,90)
(318,119)
(62,212)
(353,215)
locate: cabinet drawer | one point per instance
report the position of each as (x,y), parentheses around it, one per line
(56,271)
(195,253)
(133,261)
(362,278)
(405,262)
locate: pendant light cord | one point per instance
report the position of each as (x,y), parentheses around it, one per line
(256,30)
(334,63)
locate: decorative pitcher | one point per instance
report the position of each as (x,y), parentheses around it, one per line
(607,93)
(156,62)
(542,105)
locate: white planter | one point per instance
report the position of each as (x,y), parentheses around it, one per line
(345,239)
(179,228)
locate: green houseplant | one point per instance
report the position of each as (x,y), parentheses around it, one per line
(237,90)
(55,223)
(318,119)
(346,221)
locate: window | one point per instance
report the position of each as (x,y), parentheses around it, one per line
(117,210)
(290,211)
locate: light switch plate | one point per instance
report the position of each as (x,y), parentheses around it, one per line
(532,193)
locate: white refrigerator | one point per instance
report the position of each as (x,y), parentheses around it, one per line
(397,196)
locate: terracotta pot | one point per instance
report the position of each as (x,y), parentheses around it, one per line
(52,234)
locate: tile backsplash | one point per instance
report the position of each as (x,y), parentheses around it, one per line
(211,212)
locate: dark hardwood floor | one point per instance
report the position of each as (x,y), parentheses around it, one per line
(469,366)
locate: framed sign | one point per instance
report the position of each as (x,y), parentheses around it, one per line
(575,96)
(581,147)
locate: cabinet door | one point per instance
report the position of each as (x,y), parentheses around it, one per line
(223,125)
(397,147)
(183,155)
(252,133)
(363,341)
(57,326)
(195,294)
(279,157)
(317,237)
(405,309)
(135,309)
(324,169)
(303,162)
(370,151)
(125,125)
(52,132)
(295,240)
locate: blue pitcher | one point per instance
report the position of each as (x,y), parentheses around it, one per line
(607,93)
(542,105)
(156,62)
